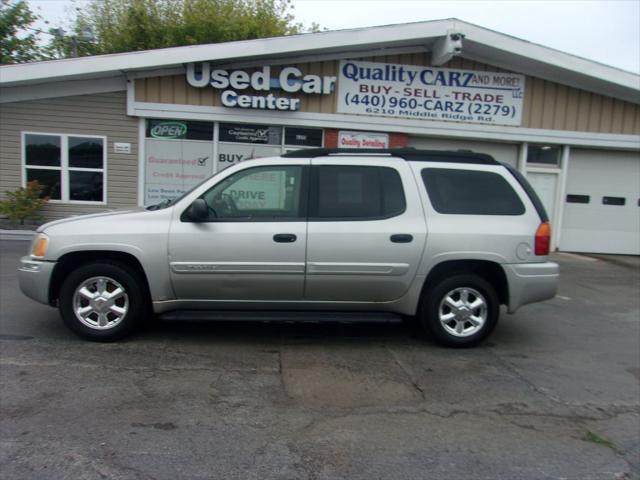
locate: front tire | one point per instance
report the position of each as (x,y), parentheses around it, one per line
(103,301)
(460,311)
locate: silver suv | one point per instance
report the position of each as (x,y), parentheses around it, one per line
(446,237)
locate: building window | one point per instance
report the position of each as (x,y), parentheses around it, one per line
(572,198)
(617,201)
(303,137)
(71,168)
(179,130)
(548,155)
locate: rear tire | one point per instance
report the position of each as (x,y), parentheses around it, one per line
(460,311)
(103,301)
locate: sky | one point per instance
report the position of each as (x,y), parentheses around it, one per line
(606,31)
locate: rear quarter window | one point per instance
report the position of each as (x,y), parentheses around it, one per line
(470,192)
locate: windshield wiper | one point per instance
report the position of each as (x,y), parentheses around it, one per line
(162,204)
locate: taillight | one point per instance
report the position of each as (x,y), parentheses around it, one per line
(543,239)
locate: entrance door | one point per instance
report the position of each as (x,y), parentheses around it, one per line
(365,233)
(252,246)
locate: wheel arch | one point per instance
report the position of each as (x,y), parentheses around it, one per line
(490,271)
(70,261)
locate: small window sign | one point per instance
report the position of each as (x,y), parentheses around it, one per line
(120,147)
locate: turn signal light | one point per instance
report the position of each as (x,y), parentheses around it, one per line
(40,246)
(543,239)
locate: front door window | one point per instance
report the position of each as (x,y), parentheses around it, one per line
(260,193)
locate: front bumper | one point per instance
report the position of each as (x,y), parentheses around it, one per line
(531,282)
(34,277)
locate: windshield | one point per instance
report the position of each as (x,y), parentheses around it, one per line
(171,201)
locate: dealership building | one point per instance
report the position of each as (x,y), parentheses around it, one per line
(132,129)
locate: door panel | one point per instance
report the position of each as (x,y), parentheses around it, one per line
(355,259)
(239,254)
(595,225)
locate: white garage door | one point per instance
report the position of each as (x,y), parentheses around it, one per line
(601,211)
(503,152)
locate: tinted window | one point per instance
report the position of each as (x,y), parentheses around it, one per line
(179,129)
(260,193)
(85,186)
(85,153)
(49,179)
(305,137)
(352,192)
(469,192)
(42,150)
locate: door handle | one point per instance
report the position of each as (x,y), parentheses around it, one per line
(401,238)
(284,237)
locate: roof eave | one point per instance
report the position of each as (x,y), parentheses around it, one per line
(480,44)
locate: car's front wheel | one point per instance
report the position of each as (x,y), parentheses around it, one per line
(460,311)
(103,301)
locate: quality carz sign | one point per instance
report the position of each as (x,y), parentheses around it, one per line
(416,92)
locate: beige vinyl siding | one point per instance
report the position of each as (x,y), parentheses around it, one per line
(98,114)
(546,105)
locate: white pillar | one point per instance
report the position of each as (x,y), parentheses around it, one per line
(522,158)
(560,195)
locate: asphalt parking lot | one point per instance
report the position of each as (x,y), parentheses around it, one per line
(554,393)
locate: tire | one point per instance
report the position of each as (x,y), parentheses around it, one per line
(103,301)
(471,305)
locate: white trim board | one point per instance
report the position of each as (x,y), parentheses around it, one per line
(388,124)
(62,89)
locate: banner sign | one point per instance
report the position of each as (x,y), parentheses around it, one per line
(431,93)
(362,140)
(250,133)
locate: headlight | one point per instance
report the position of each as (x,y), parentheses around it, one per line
(40,244)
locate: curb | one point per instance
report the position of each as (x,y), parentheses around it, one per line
(16,234)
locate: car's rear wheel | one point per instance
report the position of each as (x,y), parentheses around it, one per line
(103,301)
(460,311)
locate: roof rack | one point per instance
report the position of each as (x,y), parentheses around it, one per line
(409,154)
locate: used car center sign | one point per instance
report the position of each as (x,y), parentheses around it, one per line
(290,80)
(418,92)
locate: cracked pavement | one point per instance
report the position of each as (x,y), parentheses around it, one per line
(554,393)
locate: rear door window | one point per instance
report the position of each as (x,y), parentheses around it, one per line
(470,192)
(346,192)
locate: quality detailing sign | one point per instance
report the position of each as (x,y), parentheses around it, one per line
(409,91)
(290,80)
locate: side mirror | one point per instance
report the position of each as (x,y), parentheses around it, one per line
(198,211)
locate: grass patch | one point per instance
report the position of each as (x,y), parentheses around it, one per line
(592,437)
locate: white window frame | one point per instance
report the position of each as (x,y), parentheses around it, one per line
(64,167)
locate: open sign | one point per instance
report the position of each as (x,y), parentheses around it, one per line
(169,130)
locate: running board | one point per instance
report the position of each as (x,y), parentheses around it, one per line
(285,316)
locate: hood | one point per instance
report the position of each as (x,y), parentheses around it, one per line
(80,218)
